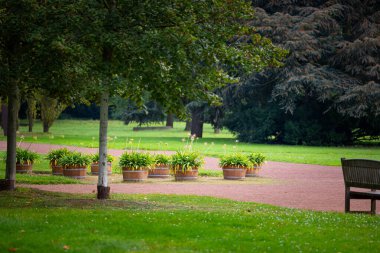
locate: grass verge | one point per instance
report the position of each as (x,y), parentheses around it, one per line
(67,132)
(36,221)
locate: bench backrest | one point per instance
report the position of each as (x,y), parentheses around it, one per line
(361,173)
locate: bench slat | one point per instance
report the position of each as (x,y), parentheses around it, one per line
(361,173)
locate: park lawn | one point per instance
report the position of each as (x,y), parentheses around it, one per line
(84,133)
(36,221)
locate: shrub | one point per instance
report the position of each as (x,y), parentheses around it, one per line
(26,156)
(160,159)
(74,159)
(235,160)
(54,155)
(95,158)
(135,160)
(257,159)
(184,160)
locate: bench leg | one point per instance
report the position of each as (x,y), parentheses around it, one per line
(373,205)
(347,200)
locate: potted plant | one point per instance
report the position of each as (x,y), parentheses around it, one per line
(24,160)
(234,166)
(257,160)
(185,165)
(53,156)
(161,167)
(135,166)
(95,164)
(74,164)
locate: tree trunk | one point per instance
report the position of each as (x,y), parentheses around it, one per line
(188,125)
(216,130)
(169,120)
(31,112)
(51,108)
(4,118)
(46,127)
(10,169)
(197,122)
(103,188)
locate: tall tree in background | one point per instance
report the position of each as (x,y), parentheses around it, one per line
(36,52)
(51,108)
(328,92)
(31,111)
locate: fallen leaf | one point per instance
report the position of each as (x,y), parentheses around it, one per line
(12,249)
(65,247)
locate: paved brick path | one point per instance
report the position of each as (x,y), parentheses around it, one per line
(302,186)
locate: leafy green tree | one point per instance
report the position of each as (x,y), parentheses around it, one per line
(330,81)
(173,50)
(36,52)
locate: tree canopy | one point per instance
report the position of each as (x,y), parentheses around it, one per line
(328,91)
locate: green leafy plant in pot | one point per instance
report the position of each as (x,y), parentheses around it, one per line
(74,165)
(135,166)
(185,165)
(53,156)
(95,164)
(257,160)
(161,167)
(234,166)
(25,160)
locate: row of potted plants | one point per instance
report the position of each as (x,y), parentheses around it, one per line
(138,166)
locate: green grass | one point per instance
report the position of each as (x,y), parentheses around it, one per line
(85,134)
(35,221)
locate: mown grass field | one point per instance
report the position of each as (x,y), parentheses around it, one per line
(85,134)
(35,221)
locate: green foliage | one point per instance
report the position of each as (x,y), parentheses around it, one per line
(151,112)
(54,155)
(327,92)
(74,159)
(256,159)
(26,156)
(160,159)
(238,160)
(95,158)
(185,160)
(136,160)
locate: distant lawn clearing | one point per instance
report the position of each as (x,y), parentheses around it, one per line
(85,134)
(35,221)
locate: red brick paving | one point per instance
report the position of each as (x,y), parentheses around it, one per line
(303,186)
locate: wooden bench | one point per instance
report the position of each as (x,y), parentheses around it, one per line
(361,173)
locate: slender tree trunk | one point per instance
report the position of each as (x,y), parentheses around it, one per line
(197,122)
(31,112)
(103,188)
(170,120)
(216,130)
(4,118)
(188,125)
(46,127)
(10,170)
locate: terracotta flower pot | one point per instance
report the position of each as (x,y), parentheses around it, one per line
(187,175)
(24,168)
(160,171)
(253,172)
(77,172)
(57,170)
(234,173)
(95,168)
(134,175)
